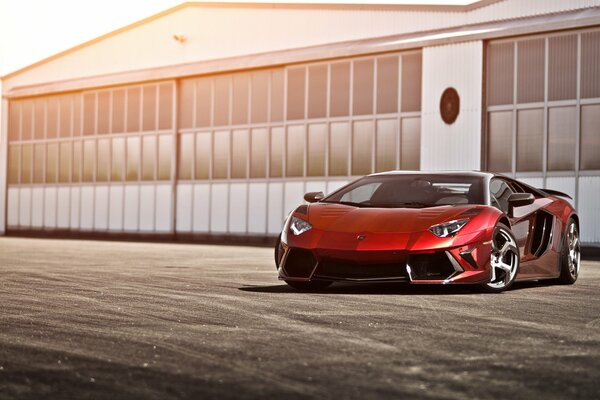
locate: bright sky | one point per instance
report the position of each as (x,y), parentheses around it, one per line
(31,30)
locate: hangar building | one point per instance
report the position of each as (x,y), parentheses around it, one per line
(210,120)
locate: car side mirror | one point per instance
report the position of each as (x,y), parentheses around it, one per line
(313,197)
(519,200)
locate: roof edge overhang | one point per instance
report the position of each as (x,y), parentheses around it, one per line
(487,31)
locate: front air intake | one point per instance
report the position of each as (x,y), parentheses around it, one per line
(299,263)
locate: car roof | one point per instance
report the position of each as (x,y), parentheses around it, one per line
(453,173)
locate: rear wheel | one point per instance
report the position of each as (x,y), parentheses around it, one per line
(570,255)
(309,286)
(504,260)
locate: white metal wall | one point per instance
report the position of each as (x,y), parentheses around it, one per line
(3,159)
(456,146)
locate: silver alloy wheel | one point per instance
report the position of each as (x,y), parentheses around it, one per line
(574,255)
(504,259)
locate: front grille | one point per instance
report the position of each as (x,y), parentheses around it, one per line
(435,266)
(351,270)
(299,263)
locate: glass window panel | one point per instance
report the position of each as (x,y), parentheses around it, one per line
(276,162)
(118,111)
(38,162)
(387,144)
(500,141)
(66,111)
(76,169)
(133,158)
(186,103)
(88,160)
(561,138)
(149,108)
(239,157)
(260,96)
(530,129)
(148,158)
(562,67)
(186,156)
(103,112)
(317,145)
(387,84)
(500,73)
(117,159)
(14,160)
(165,149)
(203,155)
(259,147)
(89,113)
(295,93)
(133,109)
(339,144)
(222,100)
(410,147)
(77,99)
(590,137)
(26,158)
(362,87)
(362,148)
(411,82)
(295,151)
(165,106)
(277,95)
(241,92)
(52,117)
(339,89)
(52,162)
(590,67)
(64,170)
(221,155)
(14,120)
(26,119)
(317,91)
(530,71)
(102,160)
(39,122)
(204,101)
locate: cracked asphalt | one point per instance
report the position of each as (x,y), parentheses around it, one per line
(112,320)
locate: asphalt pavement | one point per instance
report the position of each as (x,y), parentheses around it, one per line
(113,320)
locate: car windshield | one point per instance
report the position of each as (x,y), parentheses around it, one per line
(410,190)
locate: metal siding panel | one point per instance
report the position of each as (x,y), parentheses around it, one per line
(64,207)
(163,208)
(535,182)
(201,207)
(101,208)
(50,207)
(184,207)
(456,146)
(25,207)
(115,208)
(589,209)
(87,208)
(237,207)
(37,207)
(293,196)
(74,207)
(562,184)
(12,208)
(275,209)
(257,207)
(219,197)
(131,208)
(316,186)
(147,202)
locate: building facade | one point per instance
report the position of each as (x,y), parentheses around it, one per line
(212,120)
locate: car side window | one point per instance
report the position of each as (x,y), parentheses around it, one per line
(500,191)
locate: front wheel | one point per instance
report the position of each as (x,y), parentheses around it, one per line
(309,286)
(570,255)
(504,260)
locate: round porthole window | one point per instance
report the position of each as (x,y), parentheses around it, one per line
(449,105)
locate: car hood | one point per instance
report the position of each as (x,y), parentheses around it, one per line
(349,219)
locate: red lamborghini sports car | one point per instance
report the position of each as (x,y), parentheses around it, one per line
(473,228)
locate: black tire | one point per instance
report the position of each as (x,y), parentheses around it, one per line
(503,235)
(570,255)
(277,250)
(309,286)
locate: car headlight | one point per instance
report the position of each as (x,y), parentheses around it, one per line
(299,226)
(449,228)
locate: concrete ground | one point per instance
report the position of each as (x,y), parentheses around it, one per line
(111,320)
